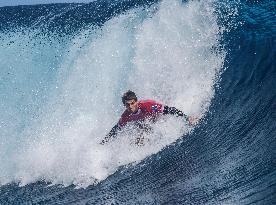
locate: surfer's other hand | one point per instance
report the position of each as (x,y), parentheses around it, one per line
(193,120)
(103,142)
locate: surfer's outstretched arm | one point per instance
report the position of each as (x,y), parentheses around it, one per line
(179,113)
(174,111)
(112,134)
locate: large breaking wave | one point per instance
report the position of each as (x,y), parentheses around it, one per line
(65,66)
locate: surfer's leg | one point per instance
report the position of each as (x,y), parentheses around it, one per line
(140,140)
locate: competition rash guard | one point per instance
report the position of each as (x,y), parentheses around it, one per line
(147,109)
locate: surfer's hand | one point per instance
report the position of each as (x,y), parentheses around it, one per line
(193,120)
(105,140)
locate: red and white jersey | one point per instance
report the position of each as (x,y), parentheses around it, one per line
(147,109)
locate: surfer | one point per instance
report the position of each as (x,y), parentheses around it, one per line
(138,111)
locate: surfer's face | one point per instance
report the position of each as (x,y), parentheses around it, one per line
(132,105)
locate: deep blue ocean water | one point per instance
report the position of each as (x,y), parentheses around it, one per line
(60,64)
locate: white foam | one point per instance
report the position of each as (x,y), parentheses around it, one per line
(165,53)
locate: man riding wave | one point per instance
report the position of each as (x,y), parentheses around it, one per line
(139,111)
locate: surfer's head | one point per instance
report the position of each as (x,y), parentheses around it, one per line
(129,100)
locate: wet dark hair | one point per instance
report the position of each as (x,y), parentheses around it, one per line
(129,95)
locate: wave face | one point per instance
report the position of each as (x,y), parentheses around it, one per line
(65,66)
